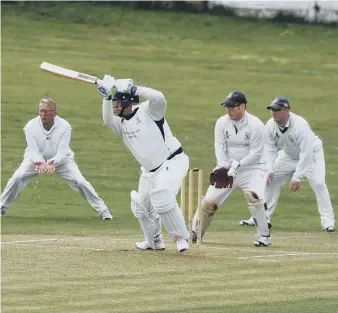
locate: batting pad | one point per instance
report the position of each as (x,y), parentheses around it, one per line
(257,210)
(174,223)
(207,214)
(148,225)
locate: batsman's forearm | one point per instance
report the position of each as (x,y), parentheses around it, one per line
(109,119)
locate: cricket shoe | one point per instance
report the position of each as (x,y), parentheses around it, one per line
(3,211)
(263,241)
(144,245)
(330,229)
(105,215)
(250,222)
(182,245)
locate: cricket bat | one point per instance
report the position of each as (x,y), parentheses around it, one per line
(70,74)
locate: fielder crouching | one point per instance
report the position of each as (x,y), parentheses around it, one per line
(48,137)
(147,135)
(239,146)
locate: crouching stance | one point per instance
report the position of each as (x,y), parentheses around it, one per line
(48,137)
(239,145)
(147,135)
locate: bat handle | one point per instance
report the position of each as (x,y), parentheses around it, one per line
(98,82)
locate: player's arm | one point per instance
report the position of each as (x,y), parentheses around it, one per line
(109,118)
(63,148)
(157,103)
(271,151)
(33,148)
(306,153)
(256,148)
(220,145)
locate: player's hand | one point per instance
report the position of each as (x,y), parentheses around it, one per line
(294,186)
(105,86)
(40,167)
(50,167)
(269,178)
(124,85)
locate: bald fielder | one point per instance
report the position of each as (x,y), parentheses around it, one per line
(145,132)
(293,153)
(239,145)
(48,138)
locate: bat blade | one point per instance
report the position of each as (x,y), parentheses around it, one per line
(67,73)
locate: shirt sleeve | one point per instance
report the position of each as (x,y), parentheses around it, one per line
(63,147)
(271,151)
(256,148)
(110,120)
(33,147)
(157,103)
(306,153)
(220,146)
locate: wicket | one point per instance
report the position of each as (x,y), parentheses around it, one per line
(191,188)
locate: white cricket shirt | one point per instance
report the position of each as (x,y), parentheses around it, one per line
(297,140)
(44,145)
(242,141)
(149,142)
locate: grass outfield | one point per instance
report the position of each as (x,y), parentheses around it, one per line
(57,256)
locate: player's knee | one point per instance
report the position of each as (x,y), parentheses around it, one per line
(163,200)
(80,181)
(18,176)
(255,202)
(137,207)
(319,186)
(209,208)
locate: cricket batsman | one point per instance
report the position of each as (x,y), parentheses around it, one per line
(145,132)
(48,138)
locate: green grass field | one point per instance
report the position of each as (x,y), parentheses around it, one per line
(57,256)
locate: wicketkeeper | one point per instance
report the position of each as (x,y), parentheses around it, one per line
(147,135)
(48,137)
(239,147)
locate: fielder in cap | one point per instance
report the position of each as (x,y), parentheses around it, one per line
(147,135)
(48,138)
(239,146)
(293,153)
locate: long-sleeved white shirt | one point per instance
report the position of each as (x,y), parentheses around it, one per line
(242,141)
(297,141)
(147,134)
(45,145)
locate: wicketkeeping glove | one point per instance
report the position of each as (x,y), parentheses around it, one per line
(105,87)
(219,178)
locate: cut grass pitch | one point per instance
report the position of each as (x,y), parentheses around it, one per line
(195,60)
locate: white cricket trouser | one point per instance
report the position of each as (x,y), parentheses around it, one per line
(284,167)
(69,171)
(247,179)
(167,178)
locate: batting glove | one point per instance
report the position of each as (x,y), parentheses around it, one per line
(105,86)
(124,85)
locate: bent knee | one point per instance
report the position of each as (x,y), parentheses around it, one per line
(163,200)
(209,207)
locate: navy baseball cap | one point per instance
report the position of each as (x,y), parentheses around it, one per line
(279,103)
(234,99)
